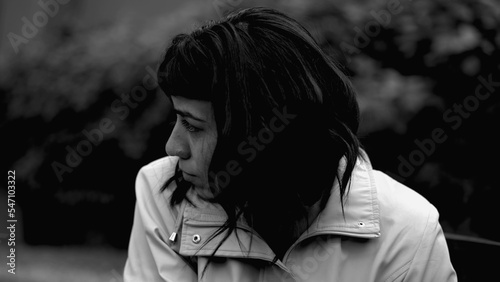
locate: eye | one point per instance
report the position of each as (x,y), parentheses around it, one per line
(189,127)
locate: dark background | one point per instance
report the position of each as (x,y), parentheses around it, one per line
(76,143)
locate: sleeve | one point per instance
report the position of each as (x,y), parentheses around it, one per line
(431,262)
(150,258)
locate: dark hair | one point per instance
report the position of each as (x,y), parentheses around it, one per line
(256,66)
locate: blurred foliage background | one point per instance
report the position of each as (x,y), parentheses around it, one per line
(80,113)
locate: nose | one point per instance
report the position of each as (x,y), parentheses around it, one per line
(177,145)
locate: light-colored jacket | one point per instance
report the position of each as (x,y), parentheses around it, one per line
(389,233)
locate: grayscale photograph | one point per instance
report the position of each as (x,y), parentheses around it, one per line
(249,140)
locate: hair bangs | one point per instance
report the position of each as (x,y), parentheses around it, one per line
(186,70)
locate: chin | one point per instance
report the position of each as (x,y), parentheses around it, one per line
(194,181)
(200,185)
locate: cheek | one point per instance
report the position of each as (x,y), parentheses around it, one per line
(206,152)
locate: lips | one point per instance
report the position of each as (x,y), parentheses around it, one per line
(187,173)
(189,177)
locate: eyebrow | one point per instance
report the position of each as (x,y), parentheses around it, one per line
(185,114)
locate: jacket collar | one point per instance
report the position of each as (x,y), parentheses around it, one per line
(361,216)
(360,219)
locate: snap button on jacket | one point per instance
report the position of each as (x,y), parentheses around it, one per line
(388,233)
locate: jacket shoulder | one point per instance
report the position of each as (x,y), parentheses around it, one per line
(151,201)
(408,222)
(401,203)
(155,174)
(406,218)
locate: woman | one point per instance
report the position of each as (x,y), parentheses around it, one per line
(265,179)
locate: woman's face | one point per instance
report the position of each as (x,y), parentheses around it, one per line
(193,139)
